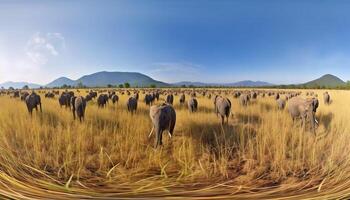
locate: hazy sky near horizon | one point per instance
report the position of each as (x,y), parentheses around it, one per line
(209,41)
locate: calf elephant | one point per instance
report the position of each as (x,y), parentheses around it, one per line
(222,107)
(79,105)
(132,104)
(163,118)
(244,99)
(33,101)
(114,98)
(192,104)
(326,98)
(182,99)
(170,99)
(304,109)
(281,104)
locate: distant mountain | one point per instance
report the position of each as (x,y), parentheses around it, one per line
(61,81)
(249,83)
(246,83)
(116,78)
(19,85)
(102,79)
(327,80)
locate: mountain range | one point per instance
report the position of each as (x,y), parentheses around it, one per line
(103,79)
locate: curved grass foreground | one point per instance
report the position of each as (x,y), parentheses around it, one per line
(260,154)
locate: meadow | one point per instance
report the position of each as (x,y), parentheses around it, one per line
(259,154)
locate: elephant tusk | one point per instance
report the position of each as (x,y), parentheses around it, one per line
(316,121)
(169,134)
(150,134)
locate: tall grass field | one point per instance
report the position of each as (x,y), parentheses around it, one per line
(259,154)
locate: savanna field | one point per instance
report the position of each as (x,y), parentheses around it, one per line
(259,154)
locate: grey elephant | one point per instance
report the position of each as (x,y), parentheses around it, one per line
(115,98)
(170,99)
(163,118)
(24,96)
(277,96)
(182,99)
(326,98)
(244,99)
(65,99)
(281,104)
(79,105)
(304,109)
(192,104)
(132,104)
(149,98)
(102,100)
(222,107)
(33,101)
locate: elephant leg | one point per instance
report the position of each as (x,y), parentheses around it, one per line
(222,120)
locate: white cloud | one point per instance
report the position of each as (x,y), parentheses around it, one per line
(24,60)
(41,47)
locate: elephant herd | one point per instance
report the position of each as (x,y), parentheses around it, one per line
(163,116)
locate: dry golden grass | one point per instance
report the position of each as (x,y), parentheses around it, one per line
(260,154)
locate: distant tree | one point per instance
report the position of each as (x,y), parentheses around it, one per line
(126,85)
(41,87)
(121,86)
(11,88)
(80,85)
(64,86)
(26,87)
(2,88)
(109,85)
(153,86)
(183,86)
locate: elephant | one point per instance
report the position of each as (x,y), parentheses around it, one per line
(49,95)
(254,95)
(33,101)
(24,96)
(277,96)
(102,100)
(326,98)
(65,99)
(163,118)
(236,94)
(136,95)
(114,98)
(170,99)
(304,109)
(281,104)
(132,104)
(79,105)
(244,99)
(149,99)
(93,94)
(88,97)
(192,104)
(157,96)
(222,107)
(182,99)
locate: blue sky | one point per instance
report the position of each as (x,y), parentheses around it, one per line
(209,41)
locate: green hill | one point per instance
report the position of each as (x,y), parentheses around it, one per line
(327,80)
